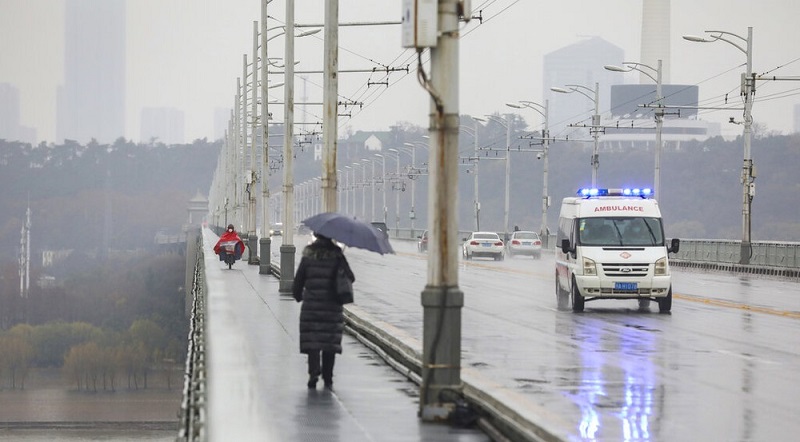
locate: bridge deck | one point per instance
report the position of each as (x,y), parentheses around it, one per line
(257,377)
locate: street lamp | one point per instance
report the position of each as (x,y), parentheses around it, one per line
(748,177)
(413,214)
(364,163)
(383,183)
(543,111)
(632,66)
(346,187)
(507,125)
(476,203)
(339,189)
(372,183)
(397,193)
(595,129)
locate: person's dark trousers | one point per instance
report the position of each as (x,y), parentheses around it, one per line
(328,360)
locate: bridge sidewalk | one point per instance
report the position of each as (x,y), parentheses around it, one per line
(257,377)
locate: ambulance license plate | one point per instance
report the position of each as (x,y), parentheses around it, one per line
(626,286)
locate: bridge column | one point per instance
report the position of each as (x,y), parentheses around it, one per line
(264,257)
(442,300)
(287,268)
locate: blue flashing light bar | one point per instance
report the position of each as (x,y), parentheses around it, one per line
(643,192)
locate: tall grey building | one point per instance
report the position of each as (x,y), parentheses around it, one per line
(91,102)
(9,111)
(10,128)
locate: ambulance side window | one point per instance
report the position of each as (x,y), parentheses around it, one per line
(565,231)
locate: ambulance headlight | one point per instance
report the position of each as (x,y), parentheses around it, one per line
(661,268)
(589,267)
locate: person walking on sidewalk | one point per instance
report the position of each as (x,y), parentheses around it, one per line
(321,315)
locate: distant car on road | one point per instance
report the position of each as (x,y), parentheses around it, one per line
(276,230)
(422,244)
(487,244)
(523,242)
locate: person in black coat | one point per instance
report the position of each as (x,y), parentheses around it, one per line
(321,316)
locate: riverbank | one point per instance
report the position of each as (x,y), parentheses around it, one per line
(47,402)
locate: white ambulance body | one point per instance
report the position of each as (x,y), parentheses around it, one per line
(611,245)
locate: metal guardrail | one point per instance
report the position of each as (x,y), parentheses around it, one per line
(775,258)
(193,406)
(771,258)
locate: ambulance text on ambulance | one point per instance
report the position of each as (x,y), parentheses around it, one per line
(619,209)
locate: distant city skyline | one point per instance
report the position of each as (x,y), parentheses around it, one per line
(91,101)
(186,54)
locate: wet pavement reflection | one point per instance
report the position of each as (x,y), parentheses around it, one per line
(724,365)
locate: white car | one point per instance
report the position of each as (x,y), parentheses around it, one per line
(523,242)
(486,244)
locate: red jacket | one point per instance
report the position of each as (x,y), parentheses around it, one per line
(228,237)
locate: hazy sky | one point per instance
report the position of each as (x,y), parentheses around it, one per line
(187,54)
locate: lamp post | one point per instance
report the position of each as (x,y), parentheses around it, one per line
(383,183)
(595,129)
(748,177)
(372,191)
(252,237)
(507,198)
(288,247)
(543,111)
(412,215)
(397,194)
(476,201)
(648,70)
(265,242)
(364,162)
(346,188)
(339,189)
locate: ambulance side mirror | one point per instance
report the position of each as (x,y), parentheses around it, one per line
(674,246)
(565,246)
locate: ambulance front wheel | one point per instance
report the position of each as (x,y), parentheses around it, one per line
(577,299)
(665,303)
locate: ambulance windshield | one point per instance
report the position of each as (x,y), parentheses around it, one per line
(620,231)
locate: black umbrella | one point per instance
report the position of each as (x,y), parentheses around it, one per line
(349,231)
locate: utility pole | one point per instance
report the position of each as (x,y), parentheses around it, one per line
(330,181)
(476,203)
(252,237)
(442,300)
(265,242)
(288,247)
(748,177)
(507,200)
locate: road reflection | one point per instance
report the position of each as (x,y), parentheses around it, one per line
(618,400)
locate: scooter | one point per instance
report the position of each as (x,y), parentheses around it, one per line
(228,253)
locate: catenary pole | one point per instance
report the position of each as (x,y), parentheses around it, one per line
(442,300)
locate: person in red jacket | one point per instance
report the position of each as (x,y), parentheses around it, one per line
(229,241)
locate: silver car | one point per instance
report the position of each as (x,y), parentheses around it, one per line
(523,242)
(486,244)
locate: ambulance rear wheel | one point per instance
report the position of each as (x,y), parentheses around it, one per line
(562,296)
(577,299)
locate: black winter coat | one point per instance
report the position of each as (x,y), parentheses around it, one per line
(321,316)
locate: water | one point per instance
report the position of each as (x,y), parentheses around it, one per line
(71,435)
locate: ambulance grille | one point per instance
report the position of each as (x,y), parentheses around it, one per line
(628,270)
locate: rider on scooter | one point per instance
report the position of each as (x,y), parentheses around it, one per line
(229,241)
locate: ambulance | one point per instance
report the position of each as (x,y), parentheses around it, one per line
(611,245)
